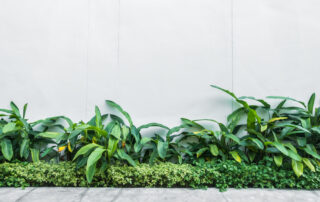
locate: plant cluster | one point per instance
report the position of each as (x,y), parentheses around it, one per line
(288,133)
(217,173)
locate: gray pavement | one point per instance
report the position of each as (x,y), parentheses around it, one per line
(60,194)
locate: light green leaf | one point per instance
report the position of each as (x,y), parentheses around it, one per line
(112,147)
(9,127)
(35,155)
(308,163)
(278,160)
(51,135)
(297,167)
(214,149)
(236,156)
(98,117)
(116,131)
(85,149)
(95,156)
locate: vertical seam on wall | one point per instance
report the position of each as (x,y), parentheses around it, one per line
(118,36)
(232,47)
(87,61)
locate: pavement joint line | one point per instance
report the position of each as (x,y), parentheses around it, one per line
(223,196)
(117,196)
(83,194)
(26,194)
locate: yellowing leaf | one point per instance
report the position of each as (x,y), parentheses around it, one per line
(94,140)
(264,128)
(60,149)
(69,147)
(297,167)
(278,160)
(277,119)
(236,156)
(307,162)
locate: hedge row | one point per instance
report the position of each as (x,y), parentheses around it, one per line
(222,175)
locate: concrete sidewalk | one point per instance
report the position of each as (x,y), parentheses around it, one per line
(51,194)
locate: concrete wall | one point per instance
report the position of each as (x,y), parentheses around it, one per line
(155,57)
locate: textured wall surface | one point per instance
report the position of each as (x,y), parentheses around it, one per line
(155,57)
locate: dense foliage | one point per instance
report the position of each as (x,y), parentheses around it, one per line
(288,133)
(220,174)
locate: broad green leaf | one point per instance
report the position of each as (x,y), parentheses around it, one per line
(135,133)
(98,117)
(257,142)
(278,160)
(46,151)
(117,119)
(297,167)
(236,156)
(192,124)
(90,172)
(116,131)
(153,125)
(308,163)
(162,148)
(15,109)
(125,132)
(116,106)
(112,147)
(252,155)
(286,98)
(35,153)
(251,120)
(24,110)
(85,149)
(201,151)
(293,155)
(214,149)
(264,103)
(74,133)
(312,153)
(235,117)
(242,102)
(24,147)
(302,141)
(233,137)
(9,127)
(95,156)
(123,155)
(175,129)
(280,147)
(138,145)
(6,149)
(51,135)
(311,103)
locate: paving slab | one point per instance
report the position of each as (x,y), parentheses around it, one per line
(61,194)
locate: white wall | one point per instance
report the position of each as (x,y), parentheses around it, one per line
(155,57)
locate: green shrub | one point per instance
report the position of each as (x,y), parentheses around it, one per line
(219,174)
